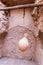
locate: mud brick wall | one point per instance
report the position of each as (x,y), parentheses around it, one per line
(20,22)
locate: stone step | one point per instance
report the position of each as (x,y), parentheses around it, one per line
(12,61)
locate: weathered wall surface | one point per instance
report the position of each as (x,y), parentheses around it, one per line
(38,17)
(20,22)
(11,43)
(22,17)
(39,23)
(39,53)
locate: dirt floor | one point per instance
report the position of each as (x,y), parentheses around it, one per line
(12,61)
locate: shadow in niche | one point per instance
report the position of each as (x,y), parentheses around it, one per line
(3,35)
(41,36)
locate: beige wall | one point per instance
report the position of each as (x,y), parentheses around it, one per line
(17,17)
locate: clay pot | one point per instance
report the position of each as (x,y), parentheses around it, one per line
(24,42)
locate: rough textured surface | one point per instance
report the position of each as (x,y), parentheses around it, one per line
(39,23)
(10,46)
(38,17)
(4,24)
